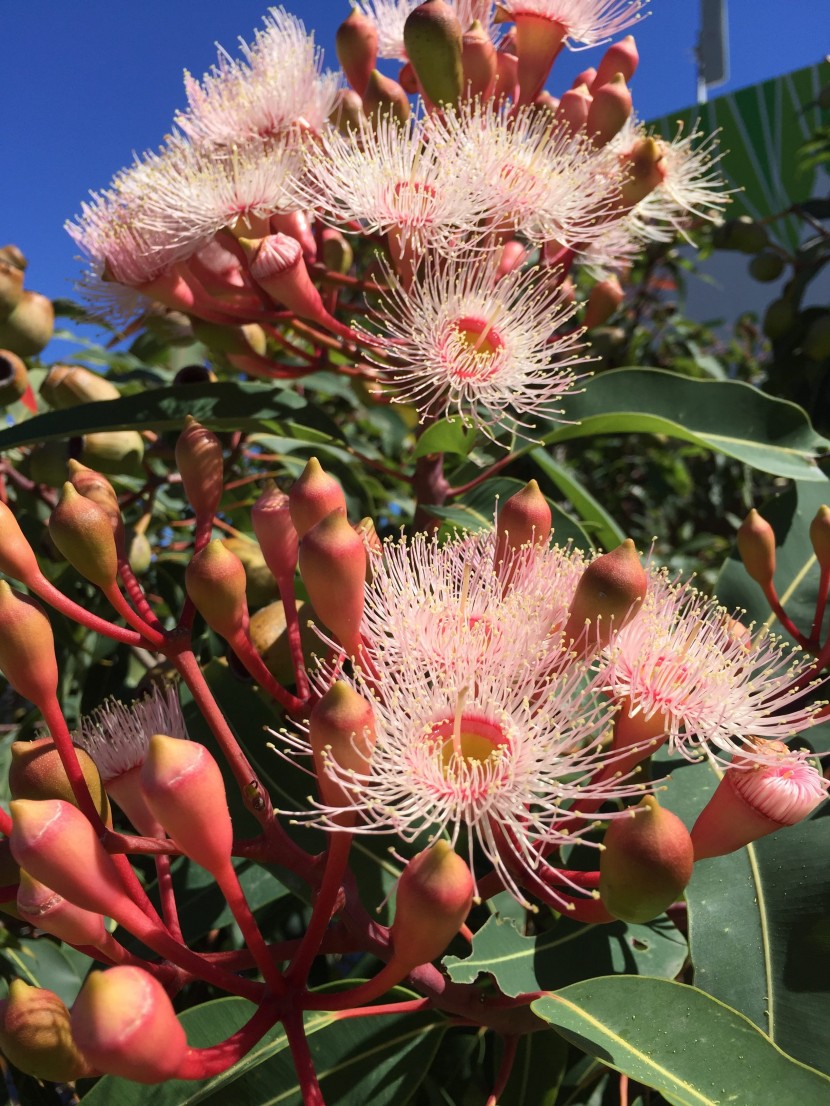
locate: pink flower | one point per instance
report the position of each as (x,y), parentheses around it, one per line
(589,22)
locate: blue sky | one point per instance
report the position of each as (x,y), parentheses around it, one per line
(85,84)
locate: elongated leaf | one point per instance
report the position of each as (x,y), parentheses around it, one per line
(693,1049)
(567,952)
(42,962)
(728,416)
(595,518)
(759,931)
(379,1060)
(445,436)
(537,1071)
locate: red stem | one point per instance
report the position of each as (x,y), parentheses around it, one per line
(155,637)
(200,1063)
(771,596)
(408,1006)
(62,603)
(337,855)
(292,626)
(137,596)
(243,647)
(167,897)
(505,1068)
(303,1064)
(821,605)
(230,887)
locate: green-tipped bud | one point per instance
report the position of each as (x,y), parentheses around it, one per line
(333,568)
(756,545)
(69,385)
(17,558)
(646,862)
(125,1024)
(184,789)
(114,452)
(200,464)
(609,593)
(139,553)
(604,299)
(820,537)
(36,1035)
(37,772)
(93,485)
(41,907)
(216,582)
(341,732)
(82,531)
(384,97)
(29,327)
(644,169)
(14,378)
(27,647)
(356,43)
(435,893)
(571,112)
(314,495)
(432,35)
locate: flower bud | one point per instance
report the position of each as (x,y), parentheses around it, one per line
(276,264)
(125,1024)
(28,328)
(17,558)
(11,287)
(356,43)
(384,97)
(139,553)
(604,299)
(13,255)
(572,109)
(37,772)
(525,518)
(513,256)
(200,465)
(312,496)
(27,647)
(820,537)
(608,593)
(479,62)
(646,862)
(115,452)
(69,385)
(347,114)
(82,531)
(620,57)
(14,378)
(434,896)
(586,77)
(432,36)
(41,907)
(216,582)
(260,585)
(36,1037)
(407,80)
(338,255)
(507,75)
(754,799)
(333,568)
(184,789)
(609,111)
(269,636)
(756,545)
(341,731)
(275,532)
(93,485)
(644,170)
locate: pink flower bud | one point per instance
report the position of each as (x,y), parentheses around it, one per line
(432,35)
(610,109)
(434,896)
(83,533)
(17,558)
(276,533)
(215,581)
(643,169)
(604,299)
(356,43)
(92,485)
(586,77)
(43,908)
(756,545)
(608,593)
(646,862)
(525,518)
(200,465)
(755,799)
(384,97)
(507,75)
(573,108)
(184,789)
(341,731)
(125,1024)
(27,648)
(620,57)
(347,113)
(333,568)
(37,772)
(479,62)
(296,225)
(538,42)
(513,256)
(314,495)
(276,264)
(820,537)
(36,1036)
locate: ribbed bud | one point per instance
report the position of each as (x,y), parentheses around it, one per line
(125,1024)
(338,255)
(28,328)
(479,62)
(14,378)
(333,568)
(276,532)
(538,41)
(184,789)
(384,97)
(216,582)
(43,908)
(603,300)
(11,287)
(819,537)
(115,452)
(608,593)
(434,896)
(432,36)
(341,731)
(753,800)
(37,772)
(276,263)
(69,385)
(756,545)
(313,495)
(525,518)
(610,109)
(82,531)
(200,465)
(27,647)
(646,862)
(36,1036)
(356,43)
(17,558)
(95,486)
(621,57)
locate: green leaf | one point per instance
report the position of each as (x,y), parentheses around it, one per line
(730,417)
(537,1071)
(379,1060)
(42,962)
(759,931)
(445,436)
(691,1048)
(593,515)
(568,952)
